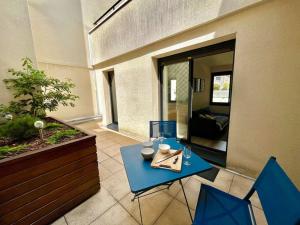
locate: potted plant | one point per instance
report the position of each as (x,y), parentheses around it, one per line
(47,167)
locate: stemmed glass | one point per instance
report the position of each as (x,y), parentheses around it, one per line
(160,138)
(187,153)
(178,140)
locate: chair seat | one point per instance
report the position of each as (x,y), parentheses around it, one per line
(216,207)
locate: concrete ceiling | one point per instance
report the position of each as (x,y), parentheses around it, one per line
(216,60)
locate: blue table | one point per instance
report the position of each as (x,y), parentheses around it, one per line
(142,177)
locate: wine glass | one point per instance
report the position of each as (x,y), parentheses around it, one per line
(178,140)
(160,138)
(187,153)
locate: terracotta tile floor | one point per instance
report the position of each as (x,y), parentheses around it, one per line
(112,205)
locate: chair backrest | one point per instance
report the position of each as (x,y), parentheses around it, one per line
(278,195)
(165,129)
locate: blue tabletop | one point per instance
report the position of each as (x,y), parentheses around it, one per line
(142,176)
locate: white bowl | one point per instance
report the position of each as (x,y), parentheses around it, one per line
(147,153)
(164,148)
(148,144)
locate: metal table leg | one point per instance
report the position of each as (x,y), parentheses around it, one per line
(141,194)
(187,204)
(140,210)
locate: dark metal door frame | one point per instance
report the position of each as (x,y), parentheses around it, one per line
(110,76)
(190,87)
(190,103)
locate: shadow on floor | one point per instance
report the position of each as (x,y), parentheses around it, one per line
(209,174)
(113,126)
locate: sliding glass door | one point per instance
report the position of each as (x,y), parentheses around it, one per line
(175,95)
(203,112)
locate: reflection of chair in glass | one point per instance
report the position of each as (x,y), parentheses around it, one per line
(165,129)
(279,198)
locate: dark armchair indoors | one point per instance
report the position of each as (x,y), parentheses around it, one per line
(208,124)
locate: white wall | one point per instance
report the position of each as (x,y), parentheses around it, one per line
(15,40)
(58,35)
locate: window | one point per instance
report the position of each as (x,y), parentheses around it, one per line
(172,90)
(220,88)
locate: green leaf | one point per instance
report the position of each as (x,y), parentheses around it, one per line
(4,150)
(55,138)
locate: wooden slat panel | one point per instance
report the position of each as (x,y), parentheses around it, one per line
(29,159)
(40,186)
(55,195)
(27,174)
(58,212)
(10,193)
(46,188)
(45,210)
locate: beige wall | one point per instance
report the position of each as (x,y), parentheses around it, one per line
(58,32)
(91,11)
(265,102)
(144,22)
(15,40)
(202,99)
(84,105)
(134,99)
(203,67)
(58,35)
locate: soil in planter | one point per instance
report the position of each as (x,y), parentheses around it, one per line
(36,143)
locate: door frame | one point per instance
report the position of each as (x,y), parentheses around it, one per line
(189,56)
(110,76)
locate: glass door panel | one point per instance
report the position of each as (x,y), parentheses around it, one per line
(175,95)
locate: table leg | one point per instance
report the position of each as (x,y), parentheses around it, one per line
(140,210)
(142,194)
(187,204)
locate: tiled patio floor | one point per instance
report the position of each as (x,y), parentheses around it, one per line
(112,204)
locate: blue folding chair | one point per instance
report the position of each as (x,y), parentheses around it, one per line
(279,197)
(166,129)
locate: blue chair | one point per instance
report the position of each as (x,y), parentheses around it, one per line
(165,129)
(279,197)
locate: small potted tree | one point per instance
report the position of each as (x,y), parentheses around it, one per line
(47,167)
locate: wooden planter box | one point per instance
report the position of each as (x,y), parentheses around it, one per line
(40,186)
